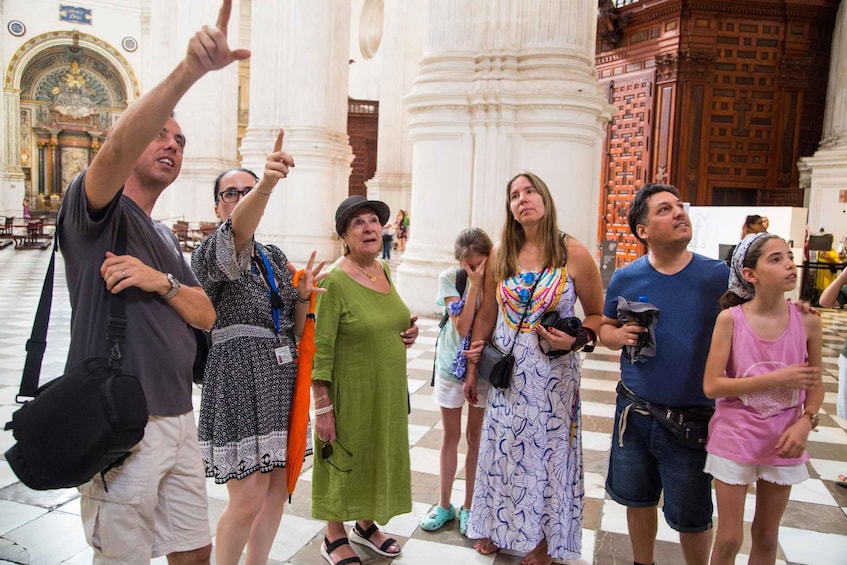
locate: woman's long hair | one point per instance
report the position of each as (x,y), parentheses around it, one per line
(512,238)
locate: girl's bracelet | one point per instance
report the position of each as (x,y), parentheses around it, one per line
(325,410)
(304,300)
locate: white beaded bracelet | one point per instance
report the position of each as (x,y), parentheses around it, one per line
(325,410)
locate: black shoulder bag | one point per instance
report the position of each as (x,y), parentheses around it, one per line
(84,422)
(495,365)
(461,282)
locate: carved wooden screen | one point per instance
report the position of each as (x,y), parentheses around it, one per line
(362,128)
(744,117)
(627,162)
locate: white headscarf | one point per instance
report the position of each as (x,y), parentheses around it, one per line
(738,285)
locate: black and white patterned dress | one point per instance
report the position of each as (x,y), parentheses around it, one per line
(247,395)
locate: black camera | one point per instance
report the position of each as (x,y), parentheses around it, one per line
(569,325)
(573,327)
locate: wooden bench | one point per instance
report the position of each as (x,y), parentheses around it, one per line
(6,235)
(32,236)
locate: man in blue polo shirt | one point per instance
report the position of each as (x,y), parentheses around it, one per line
(646,459)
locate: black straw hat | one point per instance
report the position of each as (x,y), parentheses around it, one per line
(352,204)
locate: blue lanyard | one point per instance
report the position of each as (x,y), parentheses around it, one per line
(272,284)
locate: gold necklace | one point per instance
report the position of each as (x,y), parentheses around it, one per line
(371,276)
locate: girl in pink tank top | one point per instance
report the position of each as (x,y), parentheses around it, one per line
(764,370)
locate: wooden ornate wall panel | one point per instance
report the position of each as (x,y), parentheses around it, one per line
(362,129)
(745,109)
(738,97)
(628,159)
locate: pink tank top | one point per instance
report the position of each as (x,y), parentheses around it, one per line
(746,428)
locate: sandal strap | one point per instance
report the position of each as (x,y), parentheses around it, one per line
(331,547)
(388,543)
(367,533)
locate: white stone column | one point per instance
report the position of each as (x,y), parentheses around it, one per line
(824,175)
(11,176)
(298,80)
(502,91)
(401,48)
(208,113)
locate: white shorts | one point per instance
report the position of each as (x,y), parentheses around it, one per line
(448,393)
(156,501)
(735,473)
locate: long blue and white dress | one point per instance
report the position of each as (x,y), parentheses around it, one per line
(529,481)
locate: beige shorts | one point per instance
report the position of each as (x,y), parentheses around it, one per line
(156,501)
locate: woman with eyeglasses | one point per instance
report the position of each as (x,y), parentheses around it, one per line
(360,391)
(248,385)
(529,490)
(753,223)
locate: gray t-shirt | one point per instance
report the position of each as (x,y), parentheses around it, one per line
(160,347)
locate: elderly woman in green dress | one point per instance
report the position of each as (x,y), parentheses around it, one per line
(360,391)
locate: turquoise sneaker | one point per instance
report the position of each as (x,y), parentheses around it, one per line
(464,516)
(437,517)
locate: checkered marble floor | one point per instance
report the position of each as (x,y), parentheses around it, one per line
(45,528)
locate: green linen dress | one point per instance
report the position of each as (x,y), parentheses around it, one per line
(361,354)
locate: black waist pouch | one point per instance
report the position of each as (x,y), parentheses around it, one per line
(688,426)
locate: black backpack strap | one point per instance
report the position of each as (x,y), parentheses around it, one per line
(461,283)
(37,343)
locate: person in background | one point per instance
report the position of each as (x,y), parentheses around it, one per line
(529,492)
(835,296)
(764,370)
(472,248)
(360,391)
(387,240)
(140,158)
(753,224)
(765,223)
(248,385)
(26,209)
(647,462)
(401,230)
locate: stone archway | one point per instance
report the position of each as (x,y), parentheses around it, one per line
(63,91)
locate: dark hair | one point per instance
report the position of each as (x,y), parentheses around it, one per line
(638,211)
(750,220)
(754,252)
(225,173)
(472,240)
(553,250)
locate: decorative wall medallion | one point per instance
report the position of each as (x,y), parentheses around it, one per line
(16,28)
(129,44)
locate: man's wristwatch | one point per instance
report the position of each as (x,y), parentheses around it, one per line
(174,287)
(813,418)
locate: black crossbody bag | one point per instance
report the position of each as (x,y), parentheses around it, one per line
(495,365)
(84,422)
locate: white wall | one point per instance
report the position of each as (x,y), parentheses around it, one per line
(714,225)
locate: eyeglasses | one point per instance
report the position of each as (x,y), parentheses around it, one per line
(326,453)
(232,195)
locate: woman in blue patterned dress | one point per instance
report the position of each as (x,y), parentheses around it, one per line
(529,490)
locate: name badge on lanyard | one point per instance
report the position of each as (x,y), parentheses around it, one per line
(283,354)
